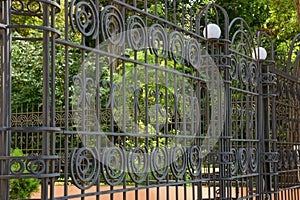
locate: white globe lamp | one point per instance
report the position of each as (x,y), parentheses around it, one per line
(259,53)
(213,31)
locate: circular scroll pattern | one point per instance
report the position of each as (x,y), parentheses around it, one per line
(157,40)
(17,166)
(159,163)
(136,33)
(253,159)
(193,52)
(178,161)
(34,6)
(194,160)
(288,159)
(234,68)
(285,158)
(112,25)
(138,165)
(113,164)
(36,166)
(252,74)
(30,7)
(84,16)
(243,70)
(234,167)
(176,51)
(84,165)
(243,160)
(17,5)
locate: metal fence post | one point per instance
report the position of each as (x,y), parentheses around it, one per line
(266,131)
(46,96)
(5,107)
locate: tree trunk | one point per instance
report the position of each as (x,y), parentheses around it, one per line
(297,3)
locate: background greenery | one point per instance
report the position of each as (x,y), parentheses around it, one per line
(278,18)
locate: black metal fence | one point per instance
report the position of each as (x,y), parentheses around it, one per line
(145,100)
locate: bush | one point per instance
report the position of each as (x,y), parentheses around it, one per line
(22,188)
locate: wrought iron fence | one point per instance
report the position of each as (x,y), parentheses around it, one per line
(144,100)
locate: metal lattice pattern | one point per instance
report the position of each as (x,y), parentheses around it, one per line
(134,101)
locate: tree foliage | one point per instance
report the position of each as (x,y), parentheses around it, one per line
(278,18)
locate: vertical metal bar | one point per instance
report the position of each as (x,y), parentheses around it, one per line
(5,105)
(156,113)
(146,105)
(260,126)
(98,103)
(46,96)
(274,137)
(66,93)
(136,113)
(83,106)
(266,132)
(226,133)
(52,103)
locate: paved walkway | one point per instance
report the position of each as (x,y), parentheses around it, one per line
(59,191)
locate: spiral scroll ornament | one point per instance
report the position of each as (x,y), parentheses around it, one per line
(84,17)
(193,52)
(178,161)
(84,166)
(112,25)
(85,85)
(252,74)
(243,160)
(17,6)
(253,159)
(194,160)
(234,68)
(176,51)
(138,164)
(136,33)
(113,165)
(34,6)
(285,158)
(30,7)
(159,163)
(17,166)
(36,166)
(157,40)
(234,167)
(243,70)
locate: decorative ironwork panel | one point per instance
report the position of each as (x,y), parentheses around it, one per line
(286,112)
(244,74)
(145,100)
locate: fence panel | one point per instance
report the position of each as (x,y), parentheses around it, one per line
(145,100)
